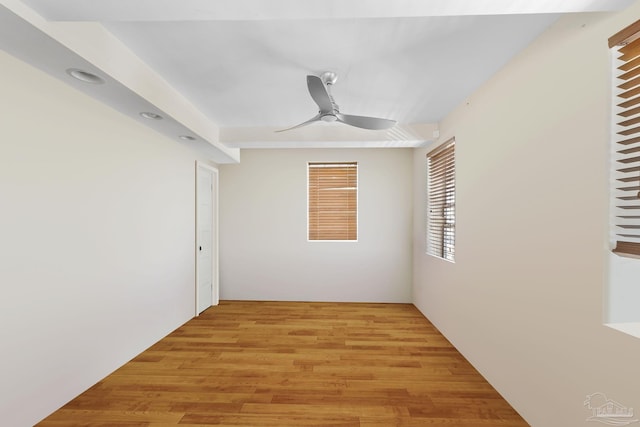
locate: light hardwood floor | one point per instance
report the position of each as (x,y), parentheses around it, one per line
(282,364)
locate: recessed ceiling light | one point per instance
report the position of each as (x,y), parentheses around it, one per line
(152,116)
(187,137)
(85,76)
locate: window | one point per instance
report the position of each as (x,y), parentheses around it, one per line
(625,159)
(333,201)
(441,201)
(621,292)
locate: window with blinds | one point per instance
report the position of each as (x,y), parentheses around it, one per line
(333,201)
(441,201)
(625,191)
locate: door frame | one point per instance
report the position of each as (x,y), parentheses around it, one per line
(215,291)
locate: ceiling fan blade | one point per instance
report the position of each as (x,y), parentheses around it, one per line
(314,119)
(319,93)
(372,123)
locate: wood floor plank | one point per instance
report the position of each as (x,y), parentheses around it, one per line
(247,363)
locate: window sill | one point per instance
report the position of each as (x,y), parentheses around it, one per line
(629,328)
(625,255)
(452,261)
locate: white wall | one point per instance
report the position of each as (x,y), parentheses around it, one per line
(524,299)
(96,241)
(623,296)
(264,252)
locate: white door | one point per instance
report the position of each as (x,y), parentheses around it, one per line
(206,237)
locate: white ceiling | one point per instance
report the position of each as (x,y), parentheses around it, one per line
(252,73)
(240,65)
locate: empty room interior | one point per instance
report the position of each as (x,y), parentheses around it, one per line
(226,109)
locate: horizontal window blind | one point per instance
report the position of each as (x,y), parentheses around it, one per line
(625,190)
(333,201)
(441,200)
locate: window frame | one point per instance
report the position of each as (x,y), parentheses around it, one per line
(624,187)
(440,232)
(351,223)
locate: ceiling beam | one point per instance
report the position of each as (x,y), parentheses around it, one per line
(331,135)
(130,86)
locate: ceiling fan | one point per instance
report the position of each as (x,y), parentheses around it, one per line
(320,90)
